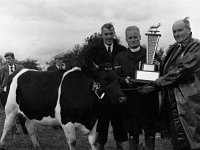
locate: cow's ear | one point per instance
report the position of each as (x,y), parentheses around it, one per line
(87,71)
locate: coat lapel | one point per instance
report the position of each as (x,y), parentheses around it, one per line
(172,55)
(6,74)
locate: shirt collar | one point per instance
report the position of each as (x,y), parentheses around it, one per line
(135,49)
(111,47)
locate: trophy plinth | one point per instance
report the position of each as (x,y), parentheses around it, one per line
(150,71)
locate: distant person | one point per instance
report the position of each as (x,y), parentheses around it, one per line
(58,63)
(5,71)
(180,84)
(140,111)
(105,53)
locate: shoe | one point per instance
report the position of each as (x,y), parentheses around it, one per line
(101,147)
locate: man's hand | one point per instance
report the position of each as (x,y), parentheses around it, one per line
(157,82)
(156,62)
(128,81)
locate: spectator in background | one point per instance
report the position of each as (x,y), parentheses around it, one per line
(58,63)
(105,53)
(140,111)
(5,71)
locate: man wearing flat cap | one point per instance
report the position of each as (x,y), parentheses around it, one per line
(58,63)
(5,71)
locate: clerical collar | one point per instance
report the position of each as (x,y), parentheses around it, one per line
(111,47)
(135,49)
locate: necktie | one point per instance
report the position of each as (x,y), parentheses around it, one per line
(11,68)
(109,50)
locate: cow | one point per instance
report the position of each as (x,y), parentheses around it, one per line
(66,98)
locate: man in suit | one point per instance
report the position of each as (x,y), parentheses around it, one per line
(58,63)
(5,71)
(105,53)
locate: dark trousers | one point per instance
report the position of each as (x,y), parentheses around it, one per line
(3,98)
(110,113)
(140,112)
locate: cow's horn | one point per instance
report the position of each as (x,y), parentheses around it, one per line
(95,65)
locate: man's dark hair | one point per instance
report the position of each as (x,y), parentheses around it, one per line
(108,26)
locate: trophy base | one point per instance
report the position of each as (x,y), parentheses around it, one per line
(147,75)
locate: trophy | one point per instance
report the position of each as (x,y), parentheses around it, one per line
(149,71)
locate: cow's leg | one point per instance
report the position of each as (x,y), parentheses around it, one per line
(70,134)
(8,125)
(92,137)
(22,121)
(30,126)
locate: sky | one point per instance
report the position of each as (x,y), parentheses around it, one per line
(40,29)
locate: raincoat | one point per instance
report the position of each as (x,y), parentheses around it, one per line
(180,82)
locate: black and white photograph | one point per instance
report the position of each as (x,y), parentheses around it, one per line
(99,74)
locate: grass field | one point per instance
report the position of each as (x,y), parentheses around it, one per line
(54,139)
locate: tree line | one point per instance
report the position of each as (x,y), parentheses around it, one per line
(73,57)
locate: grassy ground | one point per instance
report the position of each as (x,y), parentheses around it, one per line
(54,139)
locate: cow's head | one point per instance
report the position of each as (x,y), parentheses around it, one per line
(105,81)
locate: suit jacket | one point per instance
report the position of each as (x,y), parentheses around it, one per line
(4,74)
(99,54)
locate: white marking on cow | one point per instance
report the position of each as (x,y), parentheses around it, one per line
(47,121)
(92,137)
(11,107)
(58,107)
(70,133)
(11,103)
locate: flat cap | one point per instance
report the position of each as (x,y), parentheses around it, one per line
(9,54)
(59,56)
